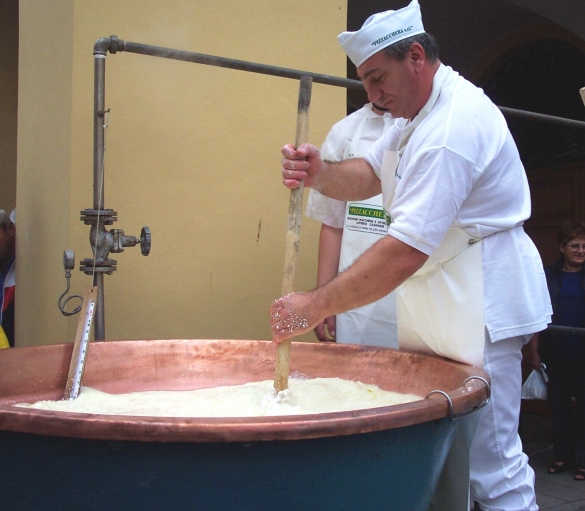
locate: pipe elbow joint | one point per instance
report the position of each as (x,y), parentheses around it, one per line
(101,46)
(105,44)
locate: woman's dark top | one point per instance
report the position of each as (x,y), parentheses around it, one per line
(567,294)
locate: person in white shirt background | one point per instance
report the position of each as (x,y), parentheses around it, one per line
(350,228)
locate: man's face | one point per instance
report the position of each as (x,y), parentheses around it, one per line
(392,85)
(7,237)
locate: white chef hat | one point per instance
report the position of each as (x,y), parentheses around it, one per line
(381,30)
(13,216)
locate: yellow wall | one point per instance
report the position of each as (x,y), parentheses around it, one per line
(192,151)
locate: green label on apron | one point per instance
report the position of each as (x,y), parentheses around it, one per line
(366,218)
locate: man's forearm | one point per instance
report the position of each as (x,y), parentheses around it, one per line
(351,179)
(377,272)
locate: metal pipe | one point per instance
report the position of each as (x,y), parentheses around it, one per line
(100,50)
(99,101)
(199,58)
(99,327)
(566,330)
(533,116)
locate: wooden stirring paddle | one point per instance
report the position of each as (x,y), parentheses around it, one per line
(293,232)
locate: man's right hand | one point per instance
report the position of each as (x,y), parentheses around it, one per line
(302,164)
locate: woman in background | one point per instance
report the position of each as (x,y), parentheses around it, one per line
(563,353)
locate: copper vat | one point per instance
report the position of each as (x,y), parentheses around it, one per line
(379,458)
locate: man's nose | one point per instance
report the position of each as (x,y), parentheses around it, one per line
(374,94)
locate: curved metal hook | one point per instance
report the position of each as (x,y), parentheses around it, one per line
(453,416)
(449,402)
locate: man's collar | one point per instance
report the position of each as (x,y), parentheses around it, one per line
(438,80)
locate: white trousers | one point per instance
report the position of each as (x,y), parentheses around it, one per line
(500,477)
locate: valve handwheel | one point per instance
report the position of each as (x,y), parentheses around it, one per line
(145,241)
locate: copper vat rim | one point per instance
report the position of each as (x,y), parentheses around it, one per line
(244,429)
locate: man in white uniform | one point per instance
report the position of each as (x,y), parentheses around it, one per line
(456,196)
(350,228)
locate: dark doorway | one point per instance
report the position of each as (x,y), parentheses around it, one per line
(544,77)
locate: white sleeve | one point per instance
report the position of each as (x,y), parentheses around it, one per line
(334,145)
(429,196)
(325,209)
(319,207)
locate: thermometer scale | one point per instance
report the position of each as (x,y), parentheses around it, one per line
(81,343)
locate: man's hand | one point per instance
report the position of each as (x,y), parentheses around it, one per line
(292,315)
(302,164)
(532,352)
(325,331)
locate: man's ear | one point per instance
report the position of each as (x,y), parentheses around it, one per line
(417,55)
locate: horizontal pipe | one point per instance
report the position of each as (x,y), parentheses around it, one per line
(566,330)
(542,117)
(200,58)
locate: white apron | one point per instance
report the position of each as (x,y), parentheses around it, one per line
(440,308)
(364,224)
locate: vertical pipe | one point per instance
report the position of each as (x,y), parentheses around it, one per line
(98,182)
(99,327)
(99,101)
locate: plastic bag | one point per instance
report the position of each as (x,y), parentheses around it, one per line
(535,385)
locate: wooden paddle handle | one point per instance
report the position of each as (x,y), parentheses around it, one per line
(293,232)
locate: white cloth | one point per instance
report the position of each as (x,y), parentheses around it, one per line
(363,224)
(453,326)
(381,30)
(459,167)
